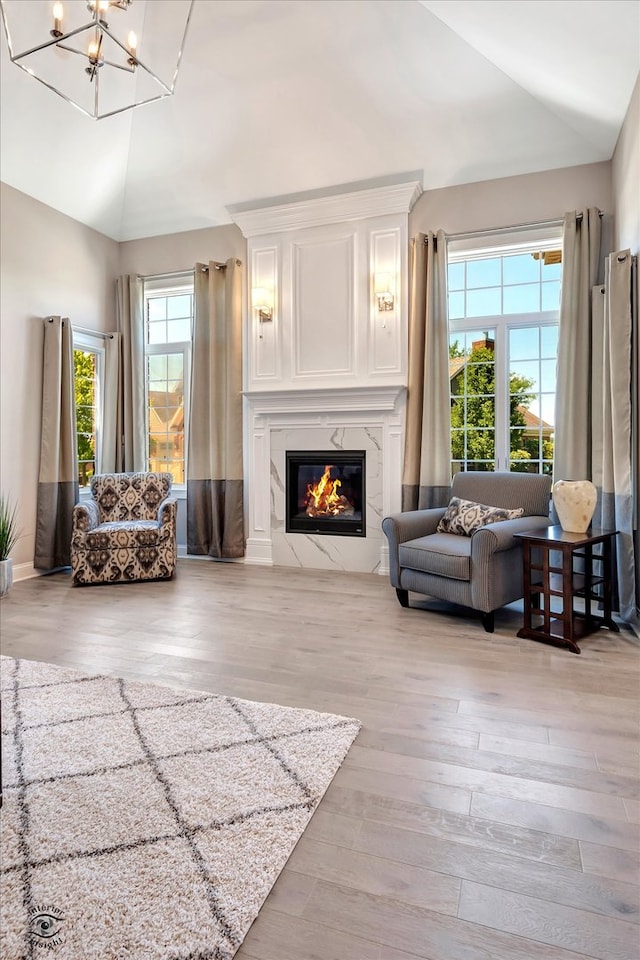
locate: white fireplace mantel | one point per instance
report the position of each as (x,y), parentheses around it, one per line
(326,400)
(368,418)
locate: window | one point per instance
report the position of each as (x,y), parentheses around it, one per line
(168,325)
(88,366)
(504,306)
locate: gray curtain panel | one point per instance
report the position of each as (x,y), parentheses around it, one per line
(111,449)
(131,396)
(58,476)
(580,266)
(426,478)
(215,515)
(613,436)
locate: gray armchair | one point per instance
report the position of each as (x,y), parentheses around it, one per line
(482,571)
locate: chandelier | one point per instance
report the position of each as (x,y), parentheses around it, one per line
(101,56)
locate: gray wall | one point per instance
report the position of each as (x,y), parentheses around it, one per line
(51,264)
(181,251)
(511,201)
(625,175)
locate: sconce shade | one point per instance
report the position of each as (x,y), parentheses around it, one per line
(101,56)
(261,299)
(382,284)
(262,302)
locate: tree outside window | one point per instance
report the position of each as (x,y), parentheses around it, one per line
(473,398)
(85,377)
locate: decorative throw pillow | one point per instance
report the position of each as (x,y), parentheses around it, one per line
(465,517)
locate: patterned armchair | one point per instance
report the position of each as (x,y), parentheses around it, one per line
(127,531)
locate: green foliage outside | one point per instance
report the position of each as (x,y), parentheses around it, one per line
(473,413)
(84,378)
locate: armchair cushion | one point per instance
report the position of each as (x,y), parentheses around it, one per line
(138,533)
(464,517)
(443,554)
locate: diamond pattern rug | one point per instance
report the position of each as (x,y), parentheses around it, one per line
(142,822)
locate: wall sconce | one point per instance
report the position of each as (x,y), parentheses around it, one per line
(383,288)
(262,302)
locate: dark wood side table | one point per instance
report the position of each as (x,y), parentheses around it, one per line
(578,573)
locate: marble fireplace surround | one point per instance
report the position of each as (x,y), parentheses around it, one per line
(356,418)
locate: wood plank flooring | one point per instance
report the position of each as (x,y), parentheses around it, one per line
(488,809)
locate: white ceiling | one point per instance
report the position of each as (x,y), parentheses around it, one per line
(277,97)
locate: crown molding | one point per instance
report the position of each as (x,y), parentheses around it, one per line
(398,198)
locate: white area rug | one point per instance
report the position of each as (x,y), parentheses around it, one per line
(145,822)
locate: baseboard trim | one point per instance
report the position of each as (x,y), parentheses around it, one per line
(26,571)
(259,552)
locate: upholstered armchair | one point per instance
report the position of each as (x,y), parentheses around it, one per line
(479,565)
(126,531)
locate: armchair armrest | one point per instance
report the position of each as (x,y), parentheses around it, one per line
(400,527)
(167,512)
(496,573)
(495,537)
(85,516)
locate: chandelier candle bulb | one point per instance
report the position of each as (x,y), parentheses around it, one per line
(58,15)
(132,43)
(94,51)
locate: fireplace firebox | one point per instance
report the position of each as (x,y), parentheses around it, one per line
(326,492)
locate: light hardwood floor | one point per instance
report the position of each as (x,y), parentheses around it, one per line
(488,809)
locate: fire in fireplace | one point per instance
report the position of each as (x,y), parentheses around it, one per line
(326,492)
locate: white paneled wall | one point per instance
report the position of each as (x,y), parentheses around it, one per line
(327,340)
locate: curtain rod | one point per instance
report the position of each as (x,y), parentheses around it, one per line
(92,333)
(168,276)
(176,274)
(84,330)
(557,222)
(221,266)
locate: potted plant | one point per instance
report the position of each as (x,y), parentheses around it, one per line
(8,538)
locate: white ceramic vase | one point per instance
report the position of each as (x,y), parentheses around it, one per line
(575,502)
(6,576)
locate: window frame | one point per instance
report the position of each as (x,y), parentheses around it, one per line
(499,245)
(86,342)
(167,286)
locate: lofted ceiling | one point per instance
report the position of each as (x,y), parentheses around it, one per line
(278,97)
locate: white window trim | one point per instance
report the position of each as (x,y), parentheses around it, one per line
(499,245)
(166,287)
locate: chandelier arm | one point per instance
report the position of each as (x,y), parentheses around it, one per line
(80,53)
(119,66)
(138,62)
(161,83)
(52,42)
